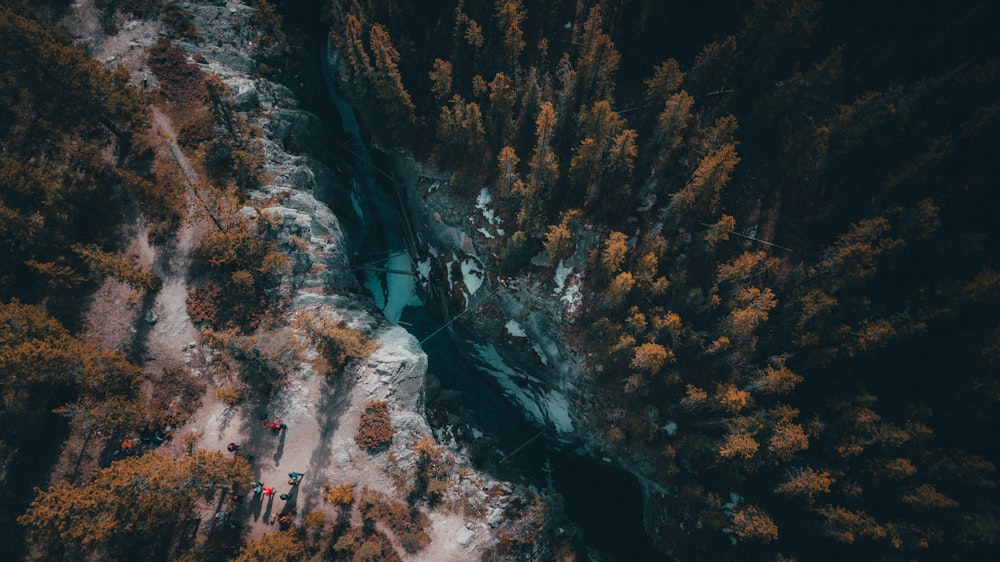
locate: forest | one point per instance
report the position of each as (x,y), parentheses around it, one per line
(795,270)
(792,275)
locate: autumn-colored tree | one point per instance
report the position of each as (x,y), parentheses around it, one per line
(752,523)
(560,239)
(806,483)
(461,135)
(133,507)
(751,308)
(667,78)
(500,114)
(720,231)
(394,100)
(597,62)
(45,368)
(508,183)
(776,378)
(509,15)
(440,76)
(619,288)
(674,119)
(544,165)
(728,397)
(281,546)
(117,267)
(927,497)
(614,252)
(746,267)
(700,196)
(854,255)
(603,161)
(356,61)
(786,440)
(846,525)
(650,357)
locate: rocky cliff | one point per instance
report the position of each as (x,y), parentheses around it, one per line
(306,178)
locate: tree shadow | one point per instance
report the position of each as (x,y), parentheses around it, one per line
(142,327)
(281,447)
(336,399)
(226,418)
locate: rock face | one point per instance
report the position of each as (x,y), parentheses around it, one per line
(315,224)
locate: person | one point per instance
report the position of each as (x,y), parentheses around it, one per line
(220,516)
(257,487)
(294,477)
(263,421)
(127,446)
(284,520)
(277,426)
(284,497)
(232,447)
(268,492)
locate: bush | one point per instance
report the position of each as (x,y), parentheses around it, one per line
(180,80)
(375,428)
(409,524)
(341,495)
(205,303)
(229,395)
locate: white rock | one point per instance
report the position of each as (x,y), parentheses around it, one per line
(465,537)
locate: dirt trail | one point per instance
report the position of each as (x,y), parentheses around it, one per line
(173,331)
(321,414)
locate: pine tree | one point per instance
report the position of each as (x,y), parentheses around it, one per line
(510,14)
(597,62)
(394,100)
(753,523)
(440,76)
(700,196)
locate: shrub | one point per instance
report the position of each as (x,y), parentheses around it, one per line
(229,395)
(180,80)
(341,495)
(375,428)
(205,303)
(409,524)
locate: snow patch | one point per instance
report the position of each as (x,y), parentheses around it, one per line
(562,272)
(472,275)
(734,500)
(670,428)
(515,329)
(424,272)
(573,298)
(489,215)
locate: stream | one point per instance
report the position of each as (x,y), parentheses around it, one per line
(604,502)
